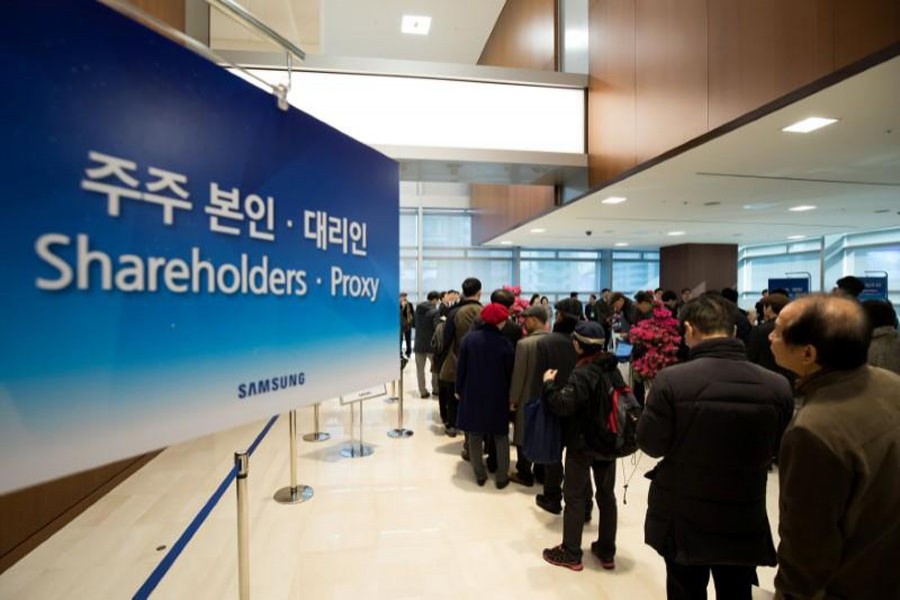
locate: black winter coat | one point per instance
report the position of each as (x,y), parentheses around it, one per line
(555,351)
(425,313)
(483,373)
(717,421)
(577,401)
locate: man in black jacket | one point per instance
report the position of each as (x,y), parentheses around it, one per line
(555,351)
(716,420)
(578,402)
(425,317)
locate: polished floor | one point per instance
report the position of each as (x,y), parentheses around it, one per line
(406,522)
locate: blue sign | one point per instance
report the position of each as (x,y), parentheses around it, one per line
(876,288)
(178,255)
(795,287)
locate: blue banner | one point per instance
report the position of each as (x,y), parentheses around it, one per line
(876,288)
(178,255)
(795,286)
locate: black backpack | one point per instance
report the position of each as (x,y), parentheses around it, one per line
(614,417)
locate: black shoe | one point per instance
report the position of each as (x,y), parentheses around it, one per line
(481,481)
(550,506)
(502,484)
(451,431)
(608,563)
(425,395)
(526,481)
(559,557)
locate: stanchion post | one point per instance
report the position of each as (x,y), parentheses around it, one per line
(400,431)
(356,449)
(296,493)
(242,465)
(318,435)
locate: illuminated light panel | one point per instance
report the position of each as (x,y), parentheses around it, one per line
(810,124)
(614,200)
(802,208)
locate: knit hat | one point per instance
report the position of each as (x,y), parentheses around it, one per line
(589,333)
(494,313)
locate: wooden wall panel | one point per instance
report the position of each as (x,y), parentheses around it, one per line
(611,92)
(701,267)
(524,36)
(804,38)
(171,12)
(499,208)
(671,74)
(741,57)
(863,26)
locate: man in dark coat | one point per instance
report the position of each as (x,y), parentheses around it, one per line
(555,351)
(759,350)
(839,494)
(716,420)
(425,314)
(483,372)
(578,401)
(460,320)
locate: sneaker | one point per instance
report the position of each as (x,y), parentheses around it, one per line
(425,395)
(608,564)
(561,558)
(516,478)
(550,506)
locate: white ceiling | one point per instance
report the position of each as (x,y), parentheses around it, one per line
(367,28)
(849,170)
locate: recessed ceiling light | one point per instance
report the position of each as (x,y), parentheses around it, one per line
(506,242)
(676,233)
(614,200)
(621,244)
(760,206)
(810,124)
(802,208)
(796,237)
(415,25)
(538,230)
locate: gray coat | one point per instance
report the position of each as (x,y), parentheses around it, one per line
(522,388)
(884,350)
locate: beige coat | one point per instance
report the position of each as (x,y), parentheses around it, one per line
(464,317)
(524,381)
(840,489)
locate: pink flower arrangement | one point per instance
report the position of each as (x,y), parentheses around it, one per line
(658,338)
(519,305)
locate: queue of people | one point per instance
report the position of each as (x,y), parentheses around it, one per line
(813,386)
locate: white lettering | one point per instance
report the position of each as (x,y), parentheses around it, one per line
(42,247)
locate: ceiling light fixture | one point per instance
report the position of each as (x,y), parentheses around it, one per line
(810,124)
(506,242)
(796,237)
(614,200)
(676,233)
(538,230)
(802,208)
(415,25)
(621,244)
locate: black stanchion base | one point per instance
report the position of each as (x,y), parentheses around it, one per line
(400,433)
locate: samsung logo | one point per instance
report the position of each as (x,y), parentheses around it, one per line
(264,386)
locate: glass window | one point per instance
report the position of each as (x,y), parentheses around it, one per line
(629,277)
(538,254)
(578,254)
(489,253)
(445,229)
(754,274)
(408,278)
(443,253)
(447,274)
(558,275)
(409,229)
(626,255)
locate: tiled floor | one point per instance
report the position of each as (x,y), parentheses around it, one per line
(406,522)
